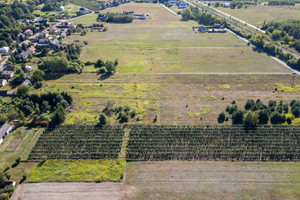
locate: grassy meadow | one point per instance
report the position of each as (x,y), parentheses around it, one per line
(167,70)
(256,15)
(213,180)
(78,170)
(164,43)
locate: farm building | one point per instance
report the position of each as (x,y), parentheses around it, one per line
(202,29)
(182,5)
(4,131)
(4,49)
(3,82)
(139,16)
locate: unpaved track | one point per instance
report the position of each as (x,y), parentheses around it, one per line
(68,191)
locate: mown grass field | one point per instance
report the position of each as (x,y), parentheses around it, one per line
(79,170)
(213,180)
(256,15)
(164,43)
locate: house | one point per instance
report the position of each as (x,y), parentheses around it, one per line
(182,5)
(63,34)
(26,82)
(139,16)
(4,49)
(8,74)
(226,5)
(172,1)
(64,23)
(28,75)
(72,26)
(53,29)
(28,68)
(20,35)
(43,41)
(44,22)
(31,50)
(4,131)
(202,29)
(24,54)
(26,43)
(61,8)
(54,43)
(34,39)
(3,82)
(28,32)
(10,68)
(44,34)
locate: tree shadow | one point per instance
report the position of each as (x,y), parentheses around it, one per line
(53,76)
(105,76)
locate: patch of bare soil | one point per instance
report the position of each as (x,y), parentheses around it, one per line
(68,191)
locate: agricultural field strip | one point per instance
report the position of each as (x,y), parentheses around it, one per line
(120,48)
(224,142)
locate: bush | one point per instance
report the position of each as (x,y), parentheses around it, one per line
(275,118)
(2,119)
(221,117)
(103,119)
(251,119)
(296,112)
(237,117)
(263,117)
(289,120)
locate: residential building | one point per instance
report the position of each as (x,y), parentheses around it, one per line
(61,8)
(4,49)
(8,74)
(23,54)
(54,29)
(31,50)
(28,32)
(3,82)
(54,43)
(28,68)
(202,29)
(4,131)
(226,5)
(139,16)
(182,5)
(26,82)
(44,34)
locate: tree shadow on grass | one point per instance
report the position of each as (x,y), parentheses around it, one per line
(54,76)
(105,76)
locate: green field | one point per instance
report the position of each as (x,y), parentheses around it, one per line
(164,43)
(79,171)
(256,15)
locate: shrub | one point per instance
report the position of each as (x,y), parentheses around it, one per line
(237,117)
(275,118)
(289,120)
(103,119)
(221,117)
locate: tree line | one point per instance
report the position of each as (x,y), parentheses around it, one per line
(256,112)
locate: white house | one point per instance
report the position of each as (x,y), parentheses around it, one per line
(61,8)
(3,82)
(4,131)
(28,68)
(226,5)
(4,49)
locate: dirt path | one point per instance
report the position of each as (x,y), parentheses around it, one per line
(68,191)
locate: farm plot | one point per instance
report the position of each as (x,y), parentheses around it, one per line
(201,180)
(78,141)
(278,143)
(167,94)
(256,15)
(164,43)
